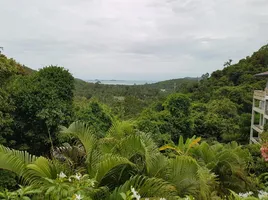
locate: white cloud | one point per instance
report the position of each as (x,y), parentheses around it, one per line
(132,39)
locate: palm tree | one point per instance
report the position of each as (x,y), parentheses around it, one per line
(228,162)
(97,163)
(111,165)
(28,167)
(190,178)
(138,154)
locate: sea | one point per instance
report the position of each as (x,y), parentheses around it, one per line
(121,82)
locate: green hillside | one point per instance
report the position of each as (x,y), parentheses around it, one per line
(236,81)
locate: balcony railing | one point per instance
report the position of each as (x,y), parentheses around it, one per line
(259,94)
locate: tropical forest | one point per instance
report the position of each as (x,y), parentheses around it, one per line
(188,138)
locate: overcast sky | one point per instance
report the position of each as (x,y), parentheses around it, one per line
(132,39)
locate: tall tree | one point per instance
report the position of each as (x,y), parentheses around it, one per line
(8,68)
(43,102)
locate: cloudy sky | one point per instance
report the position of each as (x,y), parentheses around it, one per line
(132,39)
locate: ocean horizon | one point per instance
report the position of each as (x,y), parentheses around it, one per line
(122,82)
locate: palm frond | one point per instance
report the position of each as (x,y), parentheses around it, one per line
(14,160)
(152,156)
(28,167)
(107,144)
(157,167)
(109,162)
(204,154)
(141,150)
(22,155)
(129,146)
(207,183)
(121,129)
(146,187)
(183,172)
(228,162)
(42,168)
(83,133)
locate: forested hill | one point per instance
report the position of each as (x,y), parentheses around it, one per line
(236,81)
(223,101)
(103,91)
(243,72)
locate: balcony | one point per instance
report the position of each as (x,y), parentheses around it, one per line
(257,128)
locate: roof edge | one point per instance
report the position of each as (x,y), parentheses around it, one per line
(263,74)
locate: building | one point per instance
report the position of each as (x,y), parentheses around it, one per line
(259,111)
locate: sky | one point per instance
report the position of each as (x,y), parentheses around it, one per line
(132,39)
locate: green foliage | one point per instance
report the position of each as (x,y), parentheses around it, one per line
(147,187)
(218,119)
(129,158)
(24,193)
(8,69)
(135,153)
(169,120)
(6,107)
(128,101)
(59,79)
(8,180)
(235,83)
(229,163)
(156,123)
(178,105)
(147,91)
(121,129)
(41,106)
(257,166)
(132,107)
(95,114)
